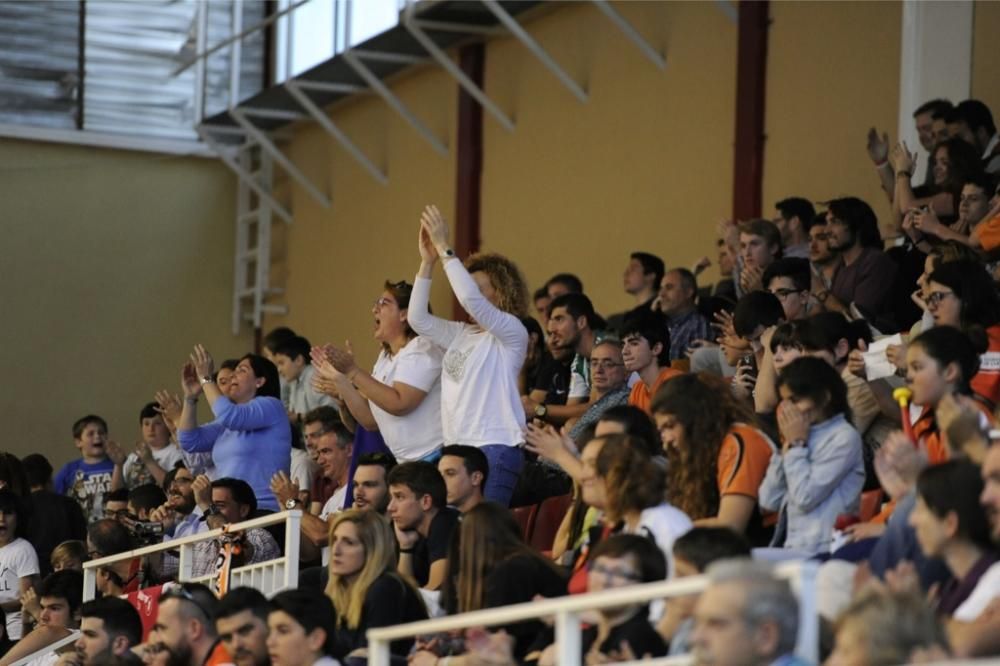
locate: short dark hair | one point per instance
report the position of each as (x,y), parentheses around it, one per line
(120,618)
(228,364)
(148,496)
(241,491)
(758,308)
(703,545)
(275,336)
(652,327)
(795,268)
(10,502)
(116,495)
(37,469)
(935,107)
(637,425)
(825,330)
(813,378)
(786,334)
(955,485)
(652,563)
(568,280)
(241,599)
(383,459)
(149,410)
(81,424)
(109,537)
(293,347)
(984,181)
(422,478)
(577,305)
(977,116)
(859,218)
(650,264)
(325,414)
(266,370)
(473,458)
(541,292)
(797,207)
(66,584)
(198,596)
(312,609)
(168,478)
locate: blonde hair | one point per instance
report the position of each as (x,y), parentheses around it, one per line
(376,535)
(505,277)
(68,551)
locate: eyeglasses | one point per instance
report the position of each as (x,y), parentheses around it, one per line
(383,301)
(935,297)
(604,364)
(613,573)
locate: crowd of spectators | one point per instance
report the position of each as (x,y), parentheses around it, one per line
(832,397)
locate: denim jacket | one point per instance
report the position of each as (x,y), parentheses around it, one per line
(813,484)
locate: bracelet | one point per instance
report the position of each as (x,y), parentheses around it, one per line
(879,165)
(191,401)
(406,551)
(906,174)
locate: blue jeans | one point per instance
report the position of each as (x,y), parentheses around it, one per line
(505,467)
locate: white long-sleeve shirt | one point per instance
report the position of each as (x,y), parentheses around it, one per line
(480,401)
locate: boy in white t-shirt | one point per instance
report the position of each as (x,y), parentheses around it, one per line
(155,454)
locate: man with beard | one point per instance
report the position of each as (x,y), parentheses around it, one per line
(184,629)
(110,627)
(180,515)
(241,622)
(866,273)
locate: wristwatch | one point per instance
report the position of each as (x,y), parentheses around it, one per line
(291,503)
(206,380)
(541,411)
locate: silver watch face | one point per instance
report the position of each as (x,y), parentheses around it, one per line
(290,504)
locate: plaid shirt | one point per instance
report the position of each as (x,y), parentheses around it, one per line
(684,330)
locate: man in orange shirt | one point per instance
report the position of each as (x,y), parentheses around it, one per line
(185,627)
(646,352)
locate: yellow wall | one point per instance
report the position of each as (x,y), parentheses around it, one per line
(985,56)
(336,260)
(832,72)
(115,263)
(645,164)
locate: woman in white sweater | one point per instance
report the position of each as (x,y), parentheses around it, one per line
(480,402)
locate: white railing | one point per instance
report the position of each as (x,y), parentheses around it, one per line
(566,613)
(269,577)
(73,637)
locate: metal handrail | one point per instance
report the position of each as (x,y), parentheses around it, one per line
(566,612)
(290,559)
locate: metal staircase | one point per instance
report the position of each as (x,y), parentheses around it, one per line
(253,293)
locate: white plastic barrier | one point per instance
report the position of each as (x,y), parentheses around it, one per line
(566,613)
(269,577)
(59,644)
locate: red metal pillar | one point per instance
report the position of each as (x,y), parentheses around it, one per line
(469,158)
(751,79)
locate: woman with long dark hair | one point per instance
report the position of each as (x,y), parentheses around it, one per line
(250,437)
(401,397)
(716,457)
(820,471)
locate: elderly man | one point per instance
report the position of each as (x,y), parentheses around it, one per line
(746,617)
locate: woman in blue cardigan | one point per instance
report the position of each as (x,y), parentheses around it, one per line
(250,438)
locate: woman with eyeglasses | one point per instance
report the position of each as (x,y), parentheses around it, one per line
(961,294)
(401,397)
(480,402)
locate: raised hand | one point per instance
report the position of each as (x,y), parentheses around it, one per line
(168,406)
(428,253)
(927,221)
(284,488)
(856,361)
(702,264)
(342,359)
(878,146)
(202,360)
(190,385)
(433,223)
(115,453)
(902,159)
(202,488)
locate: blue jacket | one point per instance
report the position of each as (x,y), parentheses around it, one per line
(813,484)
